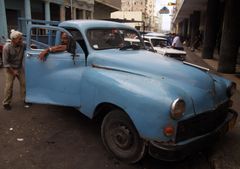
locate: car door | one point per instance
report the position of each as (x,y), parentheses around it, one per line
(57,79)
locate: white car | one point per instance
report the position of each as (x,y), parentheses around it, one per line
(156,34)
(133,41)
(162,46)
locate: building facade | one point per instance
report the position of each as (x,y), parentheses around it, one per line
(146,7)
(133,5)
(53,10)
(217,21)
(150,15)
(132,18)
(103,8)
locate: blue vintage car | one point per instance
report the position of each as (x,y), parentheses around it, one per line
(147,102)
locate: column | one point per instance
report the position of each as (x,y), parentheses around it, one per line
(190,23)
(211,29)
(195,22)
(179,29)
(62,13)
(28,15)
(71,10)
(185,28)
(74,13)
(27,6)
(79,14)
(182,29)
(47,11)
(176,28)
(230,37)
(3,19)
(84,13)
(91,14)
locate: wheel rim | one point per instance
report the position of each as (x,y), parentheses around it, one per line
(122,137)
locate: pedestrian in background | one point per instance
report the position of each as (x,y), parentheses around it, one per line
(12,54)
(170,39)
(177,44)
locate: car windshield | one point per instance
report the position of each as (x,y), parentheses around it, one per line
(159,42)
(147,44)
(112,38)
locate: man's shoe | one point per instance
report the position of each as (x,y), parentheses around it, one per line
(27,105)
(7,107)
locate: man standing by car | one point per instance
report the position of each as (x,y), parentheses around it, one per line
(13,53)
(177,44)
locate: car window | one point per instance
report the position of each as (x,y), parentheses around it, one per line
(147,44)
(42,38)
(100,39)
(45,37)
(159,42)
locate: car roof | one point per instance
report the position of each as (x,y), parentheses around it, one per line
(90,24)
(154,37)
(156,34)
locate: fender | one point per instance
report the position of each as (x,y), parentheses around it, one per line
(146,108)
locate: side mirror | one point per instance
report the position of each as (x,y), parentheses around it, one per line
(71,46)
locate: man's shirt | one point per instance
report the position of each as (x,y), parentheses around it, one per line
(176,42)
(13,55)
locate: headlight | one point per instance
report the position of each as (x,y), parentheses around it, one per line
(231,89)
(177,109)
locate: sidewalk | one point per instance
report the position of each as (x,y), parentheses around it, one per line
(226,154)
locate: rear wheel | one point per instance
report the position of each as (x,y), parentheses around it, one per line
(121,138)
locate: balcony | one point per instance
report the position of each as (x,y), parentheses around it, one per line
(113,4)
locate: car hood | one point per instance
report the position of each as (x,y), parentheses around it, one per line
(204,91)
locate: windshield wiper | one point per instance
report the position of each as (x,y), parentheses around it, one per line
(134,47)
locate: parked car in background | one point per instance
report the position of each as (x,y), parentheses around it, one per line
(148,102)
(133,41)
(162,46)
(143,32)
(156,34)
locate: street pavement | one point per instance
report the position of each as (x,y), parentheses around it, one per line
(54,137)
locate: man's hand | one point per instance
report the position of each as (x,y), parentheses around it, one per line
(43,54)
(14,72)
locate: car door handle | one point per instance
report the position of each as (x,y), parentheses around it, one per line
(29,55)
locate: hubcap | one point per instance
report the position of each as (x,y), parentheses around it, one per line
(122,137)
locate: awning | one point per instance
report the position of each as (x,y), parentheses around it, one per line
(186,8)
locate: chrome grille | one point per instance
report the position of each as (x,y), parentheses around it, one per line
(201,124)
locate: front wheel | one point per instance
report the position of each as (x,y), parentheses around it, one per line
(121,138)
